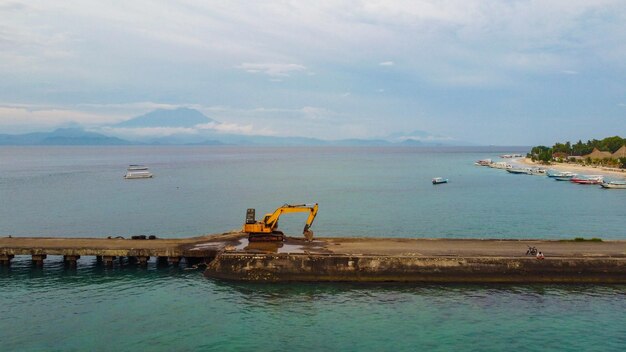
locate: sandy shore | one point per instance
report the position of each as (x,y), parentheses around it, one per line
(587,170)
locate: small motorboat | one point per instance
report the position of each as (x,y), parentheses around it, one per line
(552,173)
(518,171)
(501,165)
(137,171)
(564,177)
(136,167)
(614,185)
(439,180)
(588,179)
(537,172)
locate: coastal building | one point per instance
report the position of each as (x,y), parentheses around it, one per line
(620,153)
(597,154)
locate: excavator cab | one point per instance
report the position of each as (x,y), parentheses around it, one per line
(267,229)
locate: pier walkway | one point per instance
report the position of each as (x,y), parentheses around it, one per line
(108,249)
(230,256)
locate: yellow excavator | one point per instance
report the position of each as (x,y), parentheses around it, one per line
(267,229)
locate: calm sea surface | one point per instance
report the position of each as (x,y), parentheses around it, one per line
(366,192)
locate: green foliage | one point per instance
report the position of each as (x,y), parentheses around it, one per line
(567,149)
(582,239)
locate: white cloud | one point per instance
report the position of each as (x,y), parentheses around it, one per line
(77,52)
(147,131)
(15,118)
(233,128)
(140,105)
(272,69)
(569,72)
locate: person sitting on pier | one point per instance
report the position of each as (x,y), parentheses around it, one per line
(540,255)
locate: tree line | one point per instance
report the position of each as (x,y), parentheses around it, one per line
(566,150)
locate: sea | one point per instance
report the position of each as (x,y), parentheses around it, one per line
(79,191)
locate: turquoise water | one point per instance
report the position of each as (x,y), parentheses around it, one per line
(361,191)
(79,191)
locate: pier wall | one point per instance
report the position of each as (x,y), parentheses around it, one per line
(372,268)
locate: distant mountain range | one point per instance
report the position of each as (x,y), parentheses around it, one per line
(61,136)
(181,117)
(198,129)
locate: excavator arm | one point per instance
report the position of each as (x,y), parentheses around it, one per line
(267,228)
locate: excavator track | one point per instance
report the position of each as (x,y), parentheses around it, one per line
(276,236)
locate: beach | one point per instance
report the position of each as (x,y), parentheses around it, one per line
(589,170)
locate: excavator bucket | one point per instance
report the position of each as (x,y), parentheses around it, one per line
(308,235)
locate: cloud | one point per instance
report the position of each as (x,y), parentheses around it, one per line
(272,69)
(147,131)
(141,105)
(569,72)
(233,128)
(15,118)
(95,61)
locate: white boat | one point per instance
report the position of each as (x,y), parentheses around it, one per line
(537,172)
(137,171)
(518,171)
(552,173)
(564,177)
(501,165)
(438,180)
(483,162)
(614,185)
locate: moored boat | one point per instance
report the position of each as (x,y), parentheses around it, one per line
(501,165)
(588,179)
(137,172)
(439,180)
(537,172)
(614,185)
(518,171)
(554,174)
(136,167)
(483,162)
(564,177)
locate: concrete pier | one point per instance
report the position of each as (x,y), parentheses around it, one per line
(38,259)
(107,250)
(70,260)
(142,260)
(229,256)
(423,260)
(107,260)
(5,259)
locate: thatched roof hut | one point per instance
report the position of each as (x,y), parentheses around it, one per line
(596,154)
(620,153)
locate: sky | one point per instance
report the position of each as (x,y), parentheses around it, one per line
(519,72)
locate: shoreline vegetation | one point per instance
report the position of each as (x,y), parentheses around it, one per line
(574,167)
(607,156)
